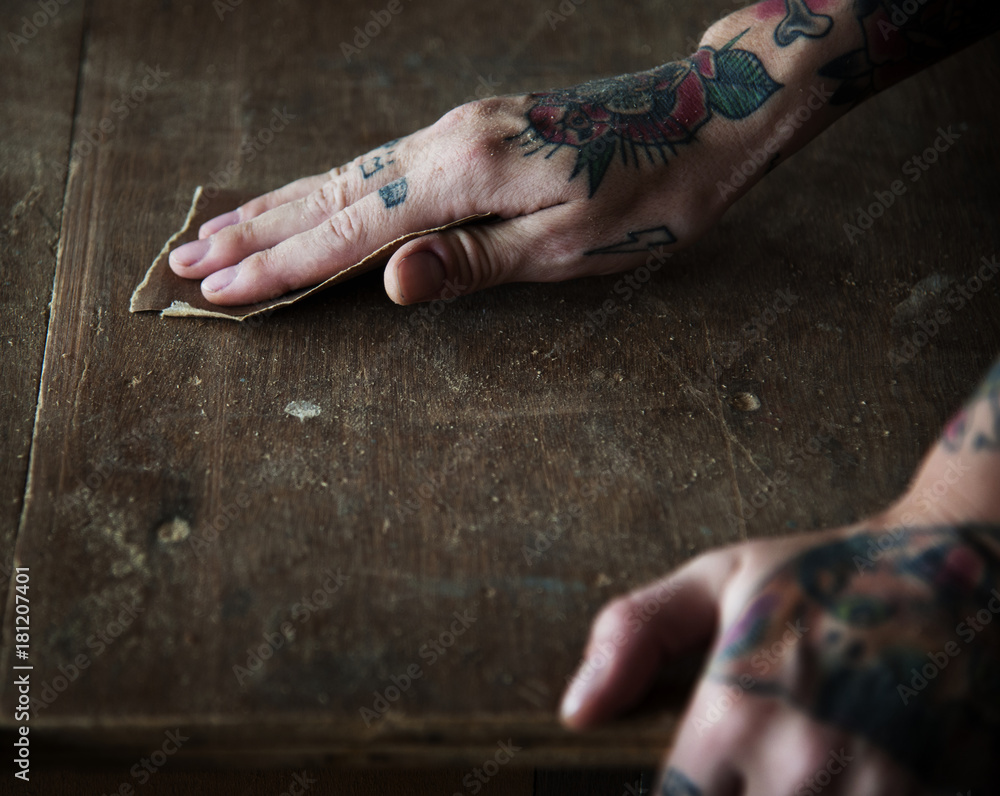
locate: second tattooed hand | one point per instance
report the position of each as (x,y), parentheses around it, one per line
(858,660)
(582,179)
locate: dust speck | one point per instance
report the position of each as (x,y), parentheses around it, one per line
(302,410)
(175,530)
(746,402)
(120,568)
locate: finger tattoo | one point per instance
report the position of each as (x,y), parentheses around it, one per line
(394,193)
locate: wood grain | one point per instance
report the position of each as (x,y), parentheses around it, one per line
(177,509)
(38,76)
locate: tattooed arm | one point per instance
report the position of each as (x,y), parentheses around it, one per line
(833,54)
(864,660)
(587,180)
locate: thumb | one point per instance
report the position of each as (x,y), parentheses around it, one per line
(464,259)
(633,635)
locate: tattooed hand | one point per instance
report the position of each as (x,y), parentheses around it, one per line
(864,660)
(587,180)
(611,174)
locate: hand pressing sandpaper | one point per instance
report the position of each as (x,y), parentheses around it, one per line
(176,297)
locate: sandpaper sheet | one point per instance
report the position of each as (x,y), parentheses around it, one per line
(176,297)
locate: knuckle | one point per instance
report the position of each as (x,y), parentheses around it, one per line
(265,267)
(253,208)
(326,200)
(345,226)
(253,266)
(476,262)
(257,264)
(456,118)
(475,113)
(480,130)
(238,237)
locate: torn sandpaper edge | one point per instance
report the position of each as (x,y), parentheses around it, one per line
(175,297)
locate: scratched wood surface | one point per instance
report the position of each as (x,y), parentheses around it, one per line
(478,482)
(38,77)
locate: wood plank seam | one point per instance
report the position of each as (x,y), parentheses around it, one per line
(26,492)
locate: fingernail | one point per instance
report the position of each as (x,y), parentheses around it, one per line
(220,279)
(420,277)
(190,253)
(213,225)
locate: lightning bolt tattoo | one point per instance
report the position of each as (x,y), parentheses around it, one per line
(641,241)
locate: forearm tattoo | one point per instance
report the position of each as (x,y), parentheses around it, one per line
(892,636)
(641,118)
(899,39)
(799,21)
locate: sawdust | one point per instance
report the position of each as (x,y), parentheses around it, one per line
(746,402)
(174,530)
(303,410)
(113,552)
(128,557)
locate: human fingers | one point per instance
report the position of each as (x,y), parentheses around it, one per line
(635,634)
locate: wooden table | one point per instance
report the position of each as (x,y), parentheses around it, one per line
(501,461)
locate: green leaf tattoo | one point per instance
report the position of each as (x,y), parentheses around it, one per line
(741,86)
(595,159)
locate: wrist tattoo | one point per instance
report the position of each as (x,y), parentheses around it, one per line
(900,39)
